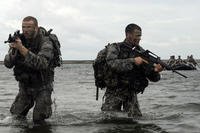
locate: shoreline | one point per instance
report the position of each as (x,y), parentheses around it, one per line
(91,61)
(70,62)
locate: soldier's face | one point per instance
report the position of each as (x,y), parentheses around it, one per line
(29,29)
(135,37)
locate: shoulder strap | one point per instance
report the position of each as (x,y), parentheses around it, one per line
(116,44)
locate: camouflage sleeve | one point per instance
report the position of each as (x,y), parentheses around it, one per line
(118,65)
(42,59)
(10,58)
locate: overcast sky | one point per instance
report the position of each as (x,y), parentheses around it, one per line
(84,27)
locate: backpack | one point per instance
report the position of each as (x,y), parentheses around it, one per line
(99,66)
(57,59)
(102,73)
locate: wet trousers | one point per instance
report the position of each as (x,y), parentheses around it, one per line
(121,99)
(27,97)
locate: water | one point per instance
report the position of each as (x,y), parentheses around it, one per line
(171,105)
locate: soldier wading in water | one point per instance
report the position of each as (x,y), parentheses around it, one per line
(32,56)
(125,74)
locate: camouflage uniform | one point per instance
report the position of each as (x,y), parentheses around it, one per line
(35,76)
(129,79)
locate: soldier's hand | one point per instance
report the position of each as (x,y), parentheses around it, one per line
(17,44)
(139,61)
(158,68)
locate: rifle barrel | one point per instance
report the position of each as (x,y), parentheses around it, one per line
(97,93)
(179,73)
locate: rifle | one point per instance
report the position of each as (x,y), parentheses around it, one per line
(97,93)
(152,58)
(12,38)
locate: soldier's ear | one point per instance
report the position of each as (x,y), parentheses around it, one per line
(36,28)
(128,35)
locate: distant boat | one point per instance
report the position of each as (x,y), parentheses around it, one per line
(184,67)
(179,64)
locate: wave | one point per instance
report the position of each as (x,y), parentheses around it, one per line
(104,124)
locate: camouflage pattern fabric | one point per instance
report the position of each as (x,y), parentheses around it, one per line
(38,88)
(131,80)
(121,99)
(25,101)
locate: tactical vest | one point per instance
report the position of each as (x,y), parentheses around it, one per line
(27,75)
(135,79)
(105,77)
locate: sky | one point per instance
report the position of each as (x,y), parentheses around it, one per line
(84,27)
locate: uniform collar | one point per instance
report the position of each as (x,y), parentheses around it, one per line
(129,44)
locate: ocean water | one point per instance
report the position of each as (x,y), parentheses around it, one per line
(171,105)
